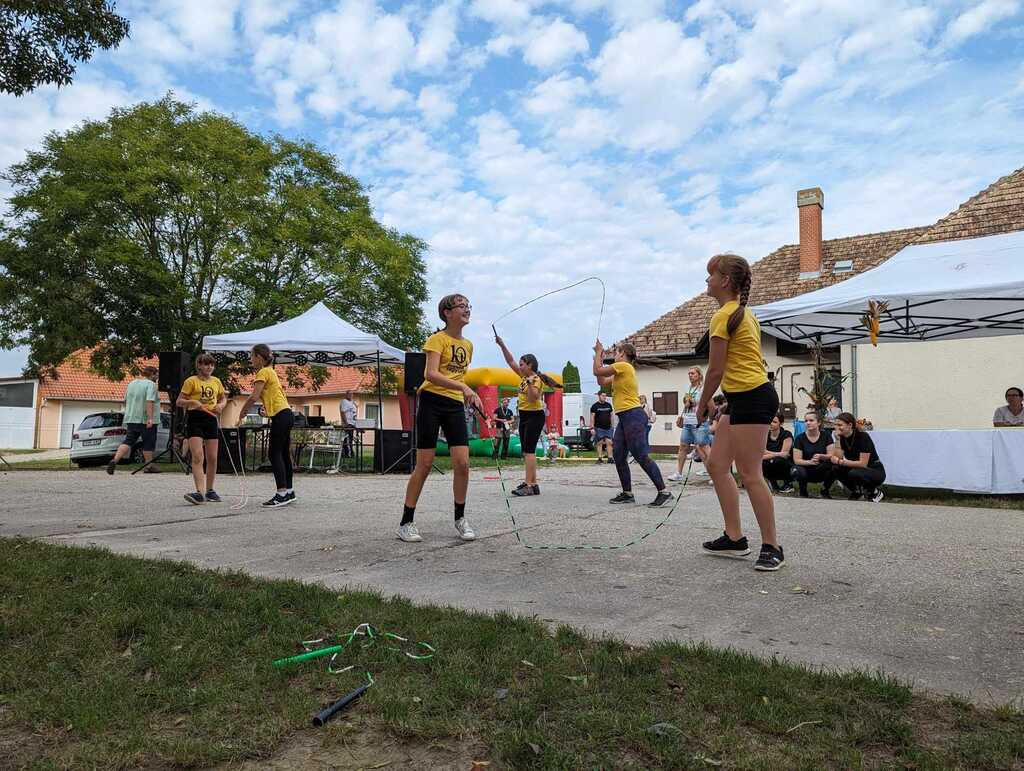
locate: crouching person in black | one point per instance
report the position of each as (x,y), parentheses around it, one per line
(855,462)
(812,453)
(776,466)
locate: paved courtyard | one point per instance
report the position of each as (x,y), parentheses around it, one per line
(931,594)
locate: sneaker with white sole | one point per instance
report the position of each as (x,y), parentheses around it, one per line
(724,546)
(663,497)
(877,497)
(409,533)
(701,472)
(195,498)
(623,498)
(771,558)
(675,477)
(465,531)
(279,499)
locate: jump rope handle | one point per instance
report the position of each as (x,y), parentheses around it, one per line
(326,714)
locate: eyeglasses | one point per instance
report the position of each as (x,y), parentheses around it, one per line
(464,306)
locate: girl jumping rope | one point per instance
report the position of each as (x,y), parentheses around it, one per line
(531,412)
(443,399)
(203,396)
(737,365)
(631,432)
(266,388)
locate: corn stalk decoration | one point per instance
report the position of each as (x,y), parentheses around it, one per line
(872,319)
(824,385)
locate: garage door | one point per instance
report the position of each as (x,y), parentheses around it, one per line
(72,413)
(17,415)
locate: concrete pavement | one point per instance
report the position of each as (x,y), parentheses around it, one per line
(928,593)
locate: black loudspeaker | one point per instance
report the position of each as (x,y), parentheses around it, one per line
(231,450)
(175,367)
(393,452)
(415,366)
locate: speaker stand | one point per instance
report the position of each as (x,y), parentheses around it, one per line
(170,442)
(414,400)
(4,460)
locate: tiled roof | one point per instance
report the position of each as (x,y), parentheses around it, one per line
(76,380)
(999,208)
(775,277)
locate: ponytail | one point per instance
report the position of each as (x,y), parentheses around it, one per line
(531,362)
(738,271)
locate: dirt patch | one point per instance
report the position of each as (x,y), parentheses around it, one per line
(350,747)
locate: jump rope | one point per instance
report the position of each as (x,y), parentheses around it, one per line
(501,478)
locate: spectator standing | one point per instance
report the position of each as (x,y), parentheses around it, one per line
(601,424)
(141,419)
(832,413)
(694,436)
(812,451)
(1012,413)
(775,463)
(855,461)
(502,429)
(348,423)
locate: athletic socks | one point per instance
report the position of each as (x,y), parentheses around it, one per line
(408,512)
(460,510)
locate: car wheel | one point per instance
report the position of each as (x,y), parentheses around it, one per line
(135,456)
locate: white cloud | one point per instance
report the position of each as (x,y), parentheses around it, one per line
(553,44)
(505,13)
(436,104)
(556,94)
(977,19)
(438,37)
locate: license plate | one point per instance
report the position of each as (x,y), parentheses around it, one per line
(90,442)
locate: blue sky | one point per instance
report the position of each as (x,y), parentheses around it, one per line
(534,143)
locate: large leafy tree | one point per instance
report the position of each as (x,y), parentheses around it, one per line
(41,41)
(145,231)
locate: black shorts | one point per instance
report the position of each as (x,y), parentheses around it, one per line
(436,412)
(757,406)
(201,425)
(531,424)
(137,431)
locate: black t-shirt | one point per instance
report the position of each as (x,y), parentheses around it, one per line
(775,445)
(859,443)
(502,413)
(809,448)
(602,414)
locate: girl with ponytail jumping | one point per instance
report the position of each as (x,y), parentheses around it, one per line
(266,389)
(737,365)
(531,412)
(631,432)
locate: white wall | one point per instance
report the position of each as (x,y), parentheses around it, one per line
(941,384)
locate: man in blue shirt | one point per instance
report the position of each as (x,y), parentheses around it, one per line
(141,418)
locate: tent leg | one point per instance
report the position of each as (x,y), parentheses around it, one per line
(380,407)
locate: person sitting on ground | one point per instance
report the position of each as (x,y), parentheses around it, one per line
(855,461)
(601,424)
(811,453)
(1011,413)
(775,464)
(555,448)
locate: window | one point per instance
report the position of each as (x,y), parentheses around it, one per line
(305,410)
(843,266)
(16,395)
(101,420)
(666,402)
(372,412)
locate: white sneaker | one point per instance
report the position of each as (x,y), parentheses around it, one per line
(701,472)
(465,531)
(675,477)
(878,496)
(409,533)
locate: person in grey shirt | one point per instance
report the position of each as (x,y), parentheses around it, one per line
(141,418)
(348,421)
(1011,413)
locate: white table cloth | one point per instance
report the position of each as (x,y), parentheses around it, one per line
(976,461)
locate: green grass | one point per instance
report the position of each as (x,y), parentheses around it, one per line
(19,452)
(115,662)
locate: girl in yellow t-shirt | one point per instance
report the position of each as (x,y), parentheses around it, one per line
(203,397)
(531,412)
(443,399)
(266,388)
(631,432)
(742,432)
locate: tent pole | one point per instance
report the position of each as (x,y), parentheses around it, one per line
(380,406)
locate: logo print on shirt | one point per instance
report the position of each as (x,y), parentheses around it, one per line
(458,360)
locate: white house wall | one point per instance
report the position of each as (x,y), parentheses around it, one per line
(951,384)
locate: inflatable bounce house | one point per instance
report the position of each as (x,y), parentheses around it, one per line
(492,384)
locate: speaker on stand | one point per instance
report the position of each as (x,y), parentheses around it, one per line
(390,445)
(174,371)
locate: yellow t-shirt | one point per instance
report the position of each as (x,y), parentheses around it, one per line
(524,399)
(744,365)
(455,358)
(625,393)
(272,395)
(207,392)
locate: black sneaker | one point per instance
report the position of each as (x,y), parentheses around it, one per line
(536,489)
(876,496)
(279,499)
(212,497)
(111,467)
(623,498)
(291,497)
(826,494)
(770,558)
(523,490)
(195,498)
(856,495)
(600,461)
(660,499)
(724,546)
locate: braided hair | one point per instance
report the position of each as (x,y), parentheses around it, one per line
(737,270)
(531,362)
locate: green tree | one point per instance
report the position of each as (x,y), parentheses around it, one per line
(41,41)
(145,231)
(570,378)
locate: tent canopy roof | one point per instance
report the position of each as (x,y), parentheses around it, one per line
(939,291)
(317,336)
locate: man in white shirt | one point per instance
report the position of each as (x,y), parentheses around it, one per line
(348,421)
(1011,413)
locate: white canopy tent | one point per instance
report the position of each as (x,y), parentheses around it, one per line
(941,291)
(317,336)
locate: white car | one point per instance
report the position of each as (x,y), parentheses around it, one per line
(98,435)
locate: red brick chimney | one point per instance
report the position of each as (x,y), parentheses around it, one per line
(809,203)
